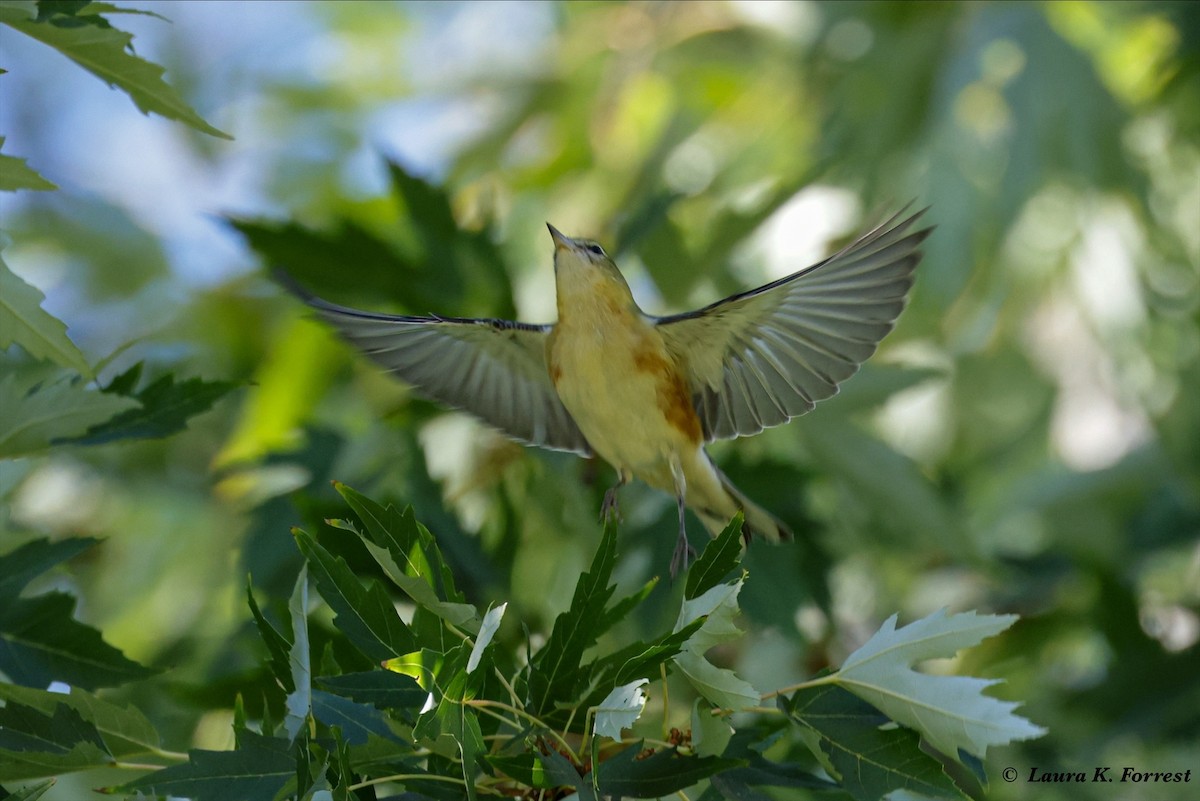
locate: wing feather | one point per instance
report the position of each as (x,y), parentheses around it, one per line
(494,369)
(762,357)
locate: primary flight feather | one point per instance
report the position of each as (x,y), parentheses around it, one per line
(645,393)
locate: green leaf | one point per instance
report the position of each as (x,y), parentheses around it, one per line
(258,770)
(277,644)
(356,721)
(14,175)
(663,773)
(30,793)
(299,700)
(870,761)
(166,407)
(950,712)
(556,673)
(124,729)
(25,322)
(710,733)
(719,686)
(33,744)
(409,556)
(365,614)
(620,709)
(383,689)
(491,623)
(106,52)
(720,557)
(35,416)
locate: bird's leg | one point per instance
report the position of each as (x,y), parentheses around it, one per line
(610,508)
(684,552)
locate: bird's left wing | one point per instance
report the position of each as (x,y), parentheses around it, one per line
(494,369)
(760,358)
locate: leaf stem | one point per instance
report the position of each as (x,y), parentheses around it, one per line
(483,704)
(832,678)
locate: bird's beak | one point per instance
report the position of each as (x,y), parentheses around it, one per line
(561,241)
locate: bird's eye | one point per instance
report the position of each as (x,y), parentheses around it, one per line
(596,249)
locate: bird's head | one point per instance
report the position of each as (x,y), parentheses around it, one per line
(581,267)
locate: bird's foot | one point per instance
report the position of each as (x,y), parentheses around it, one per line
(610,509)
(684,555)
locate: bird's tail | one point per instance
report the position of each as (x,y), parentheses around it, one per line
(758,521)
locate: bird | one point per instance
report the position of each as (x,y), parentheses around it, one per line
(646,393)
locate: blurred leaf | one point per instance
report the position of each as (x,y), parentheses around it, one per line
(23,321)
(166,407)
(14,175)
(39,640)
(950,712)
(256,771)
(124,730)
(36,416)
(34,744)
(365,614)
(107,53)
(871,761)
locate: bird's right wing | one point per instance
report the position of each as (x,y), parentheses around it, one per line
(494,369)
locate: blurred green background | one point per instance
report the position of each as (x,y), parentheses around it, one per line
(1028,440)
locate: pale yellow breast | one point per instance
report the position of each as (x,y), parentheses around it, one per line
(616,377)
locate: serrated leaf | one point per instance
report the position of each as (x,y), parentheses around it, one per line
(33,744)
(165,408)
(356,721)
(277,644)
(106,52)
(409,555)
(364,613)
(25,322)
(257,770)
(299,701)
(663,773)
(556,673)
(383,689)
(716,608)
(620,709)
(16,174)
(950,712)
(125,730)
(870,761)
(721,687)
(40,642)
(720,557)
(491,623)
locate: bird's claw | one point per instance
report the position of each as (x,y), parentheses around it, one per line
(684,555)
(610,508)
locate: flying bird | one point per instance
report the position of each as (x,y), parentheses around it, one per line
(647,393)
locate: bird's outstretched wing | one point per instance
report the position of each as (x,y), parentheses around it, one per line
(762,357)
(494,369)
